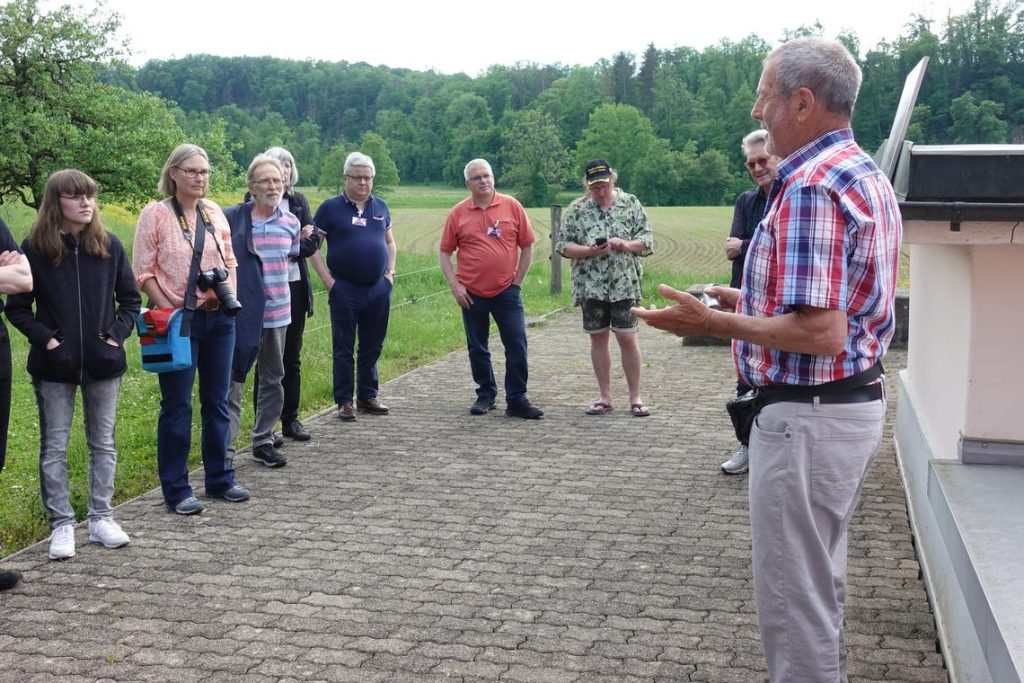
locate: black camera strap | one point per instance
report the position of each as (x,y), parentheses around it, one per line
(197,255)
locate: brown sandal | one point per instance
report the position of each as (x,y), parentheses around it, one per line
(639,410)
(599,408)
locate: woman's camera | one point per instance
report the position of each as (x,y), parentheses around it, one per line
(217,280)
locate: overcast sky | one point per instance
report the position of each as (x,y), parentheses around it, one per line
(465,36)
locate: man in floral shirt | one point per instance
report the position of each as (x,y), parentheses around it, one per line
(605,233)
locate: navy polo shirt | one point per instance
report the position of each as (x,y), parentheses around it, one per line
(357,250)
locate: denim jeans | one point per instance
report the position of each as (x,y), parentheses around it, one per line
(56,401)
(507,310)
(358,312)
(213,341)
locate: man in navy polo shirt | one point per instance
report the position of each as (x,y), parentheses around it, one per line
(359,275)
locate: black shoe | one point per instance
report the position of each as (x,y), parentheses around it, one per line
(266,454)
(525,410)
(9,579)
(278,441)
(482,406)
(295,430)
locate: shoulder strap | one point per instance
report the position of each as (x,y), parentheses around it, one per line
(193,271)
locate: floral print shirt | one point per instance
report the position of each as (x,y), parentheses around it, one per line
(612,277)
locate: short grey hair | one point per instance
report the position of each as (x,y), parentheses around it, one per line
(166,185)
(825,67)
(262,160)
(359,159)
(756,137)
(283,155)
(465,171)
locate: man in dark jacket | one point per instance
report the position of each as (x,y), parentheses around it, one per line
(264,236)
(15,276)
(301,291)
(748,213)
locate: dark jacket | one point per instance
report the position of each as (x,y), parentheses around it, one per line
(299,206)
(74,303)
(251,294)
(746,216)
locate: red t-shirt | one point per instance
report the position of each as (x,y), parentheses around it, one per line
(488,242)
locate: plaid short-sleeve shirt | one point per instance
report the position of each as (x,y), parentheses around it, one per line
(830,239)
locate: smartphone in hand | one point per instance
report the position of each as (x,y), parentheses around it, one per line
(709,301)
(600,241)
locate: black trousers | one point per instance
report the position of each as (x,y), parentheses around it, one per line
(5,390)
(292,381)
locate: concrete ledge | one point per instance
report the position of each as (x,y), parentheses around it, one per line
(977,510)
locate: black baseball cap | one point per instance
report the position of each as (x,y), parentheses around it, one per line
(598,171)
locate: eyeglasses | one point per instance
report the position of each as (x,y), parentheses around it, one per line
(79,197)
(269,182)
(195,172)
(478,178)
(754,163)
(360,178)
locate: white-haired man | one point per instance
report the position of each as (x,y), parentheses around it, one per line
(494,241)
(359,275)
(813,317)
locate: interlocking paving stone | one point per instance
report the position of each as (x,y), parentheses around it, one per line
(432,545)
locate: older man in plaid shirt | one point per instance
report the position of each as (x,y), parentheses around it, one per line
(812,320)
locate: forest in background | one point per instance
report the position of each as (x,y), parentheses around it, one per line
(670,120)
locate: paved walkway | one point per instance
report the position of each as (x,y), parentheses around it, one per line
(430,545)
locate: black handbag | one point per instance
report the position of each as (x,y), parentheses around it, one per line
(743,411)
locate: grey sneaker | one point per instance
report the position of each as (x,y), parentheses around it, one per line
(739,463)
(187,506)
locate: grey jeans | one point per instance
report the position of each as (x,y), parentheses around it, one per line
(808,463)
(271,392)
(56,403)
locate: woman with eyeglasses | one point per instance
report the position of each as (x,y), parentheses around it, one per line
(165,242)
(85,303)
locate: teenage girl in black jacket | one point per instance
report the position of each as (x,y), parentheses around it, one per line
(85,306)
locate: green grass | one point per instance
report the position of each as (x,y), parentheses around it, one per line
(425,325)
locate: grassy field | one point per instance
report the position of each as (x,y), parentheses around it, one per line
(425,324)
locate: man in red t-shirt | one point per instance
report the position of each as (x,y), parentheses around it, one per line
(494,241)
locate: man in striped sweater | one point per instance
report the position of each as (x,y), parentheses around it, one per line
(264,237)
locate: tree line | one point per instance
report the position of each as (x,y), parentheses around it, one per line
(670,120)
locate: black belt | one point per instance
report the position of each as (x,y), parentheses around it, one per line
(862,394)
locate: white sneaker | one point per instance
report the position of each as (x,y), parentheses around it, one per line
(739,463)
(62,542)
(108,532)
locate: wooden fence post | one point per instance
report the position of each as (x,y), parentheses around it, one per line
(556,258)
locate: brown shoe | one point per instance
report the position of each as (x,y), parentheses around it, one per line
(372,406)
(346,412)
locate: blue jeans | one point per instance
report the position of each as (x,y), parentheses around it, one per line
(213,342)
(358,312)
(56,402)
(507,310)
